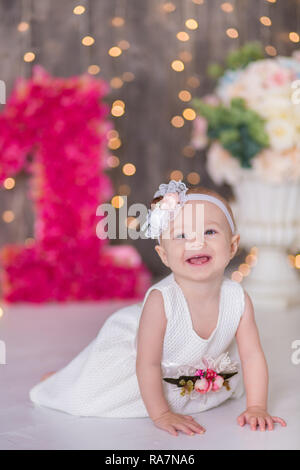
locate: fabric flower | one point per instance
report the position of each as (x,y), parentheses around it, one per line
(203,385)
(169,201)
(159,218)
(154,222)
(172,187)
(200,372)
(217,383)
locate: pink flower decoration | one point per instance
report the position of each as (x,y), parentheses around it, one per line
(211,381)
(210,374)
(199,372)
(203,385)
(169,201)
(217,383)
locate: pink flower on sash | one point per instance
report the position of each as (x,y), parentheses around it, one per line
(217,383)
(203,385)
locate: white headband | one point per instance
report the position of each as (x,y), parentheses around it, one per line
(174,197)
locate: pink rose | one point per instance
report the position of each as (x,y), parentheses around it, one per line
(217,383)
(279,78)
(203,385)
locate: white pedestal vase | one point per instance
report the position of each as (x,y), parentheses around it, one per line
(268,217)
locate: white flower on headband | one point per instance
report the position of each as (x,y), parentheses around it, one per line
(172,187)
(169,201)
(174,197)
(158,219)
(156,222)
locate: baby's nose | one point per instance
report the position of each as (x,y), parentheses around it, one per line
(196,242)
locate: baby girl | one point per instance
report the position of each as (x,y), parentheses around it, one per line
(191,344)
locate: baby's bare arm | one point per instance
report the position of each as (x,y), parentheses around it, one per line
(254,365)
(150,341)
(255,372)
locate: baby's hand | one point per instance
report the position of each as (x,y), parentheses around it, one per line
(170,422)
(255,415)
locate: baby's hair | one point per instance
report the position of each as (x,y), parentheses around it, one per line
(202,190)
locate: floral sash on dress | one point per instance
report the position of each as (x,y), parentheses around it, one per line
(197,381)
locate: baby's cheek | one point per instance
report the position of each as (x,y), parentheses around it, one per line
(222,254)
(176,261)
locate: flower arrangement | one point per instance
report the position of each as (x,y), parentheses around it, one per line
(215,374)
(251,122)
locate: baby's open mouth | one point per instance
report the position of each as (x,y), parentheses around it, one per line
(199,259)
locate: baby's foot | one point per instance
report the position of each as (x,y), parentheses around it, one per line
(46,376)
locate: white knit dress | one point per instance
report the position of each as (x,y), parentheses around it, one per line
(101,380)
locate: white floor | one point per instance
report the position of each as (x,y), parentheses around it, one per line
(40,339)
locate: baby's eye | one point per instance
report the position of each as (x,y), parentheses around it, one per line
(210,230)
(182,235)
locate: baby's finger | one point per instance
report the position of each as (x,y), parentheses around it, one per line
(172,430)
(197,428)
(185,428)
(253,423)
(193,421)
(189,417)
(270,423)
(276,419)
(262,424)
(241,420)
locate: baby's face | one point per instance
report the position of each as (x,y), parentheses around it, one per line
(199,243)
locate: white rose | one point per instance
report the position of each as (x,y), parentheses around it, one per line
(273,106)
(281,134)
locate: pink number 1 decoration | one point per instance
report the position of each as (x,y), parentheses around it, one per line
(63,123)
